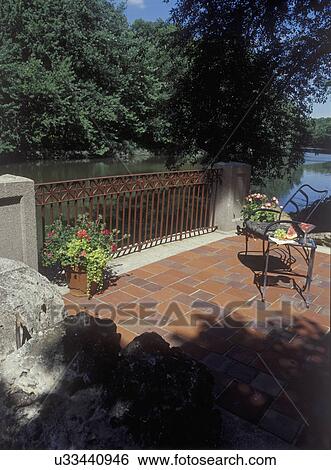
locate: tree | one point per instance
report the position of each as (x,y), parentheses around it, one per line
(63,77)
(320,133)
(254,69)
(157,61)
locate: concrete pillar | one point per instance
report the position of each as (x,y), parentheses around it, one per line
(18,234)
(230,194)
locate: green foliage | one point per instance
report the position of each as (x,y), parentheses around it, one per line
(226,80)
(156,64)
(320,133)
(74,77)
(254,69)
(87,246)
(256,208)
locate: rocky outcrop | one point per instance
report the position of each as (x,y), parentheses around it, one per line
(56,389)
(73,388)
(27,299)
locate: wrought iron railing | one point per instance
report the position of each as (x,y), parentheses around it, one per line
(151,208)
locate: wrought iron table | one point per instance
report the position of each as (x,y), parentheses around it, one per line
(309,249)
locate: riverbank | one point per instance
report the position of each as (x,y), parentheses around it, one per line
(317,150)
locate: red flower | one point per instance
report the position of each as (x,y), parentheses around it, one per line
(106,232)
(83,234)
(114,247)
(51,233)
(83,254)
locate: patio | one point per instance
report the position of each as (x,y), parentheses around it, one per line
(270,361)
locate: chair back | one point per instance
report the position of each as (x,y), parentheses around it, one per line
(304,202)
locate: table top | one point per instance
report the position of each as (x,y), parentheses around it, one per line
(310,243)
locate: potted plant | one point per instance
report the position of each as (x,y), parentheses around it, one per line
(256,201)
(83,250)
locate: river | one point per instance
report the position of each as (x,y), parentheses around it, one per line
(55,170)
(315,171)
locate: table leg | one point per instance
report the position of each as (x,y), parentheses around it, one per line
(265,272)
(310,269)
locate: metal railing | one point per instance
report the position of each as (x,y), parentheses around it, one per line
(150,208)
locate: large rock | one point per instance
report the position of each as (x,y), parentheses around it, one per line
(55,390)
(72,388)
(26,298)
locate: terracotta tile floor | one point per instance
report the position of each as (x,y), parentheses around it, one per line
(270,361)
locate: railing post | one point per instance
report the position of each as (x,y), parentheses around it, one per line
(18,230)
(230,194)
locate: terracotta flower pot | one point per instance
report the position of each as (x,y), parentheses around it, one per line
(77,281)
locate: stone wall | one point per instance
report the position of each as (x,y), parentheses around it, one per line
(235,186)
(18,234)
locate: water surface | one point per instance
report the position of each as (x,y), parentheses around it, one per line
(61,170)
(315,171)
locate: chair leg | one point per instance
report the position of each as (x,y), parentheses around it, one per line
(289,258)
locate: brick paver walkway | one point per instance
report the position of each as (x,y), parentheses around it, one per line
(270,361)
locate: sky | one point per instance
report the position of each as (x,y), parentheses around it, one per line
(154,9)
(148,9)
(322,110)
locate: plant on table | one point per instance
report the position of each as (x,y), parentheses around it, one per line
(87,246)
(256,201)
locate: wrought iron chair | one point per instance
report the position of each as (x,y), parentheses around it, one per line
(297,210)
